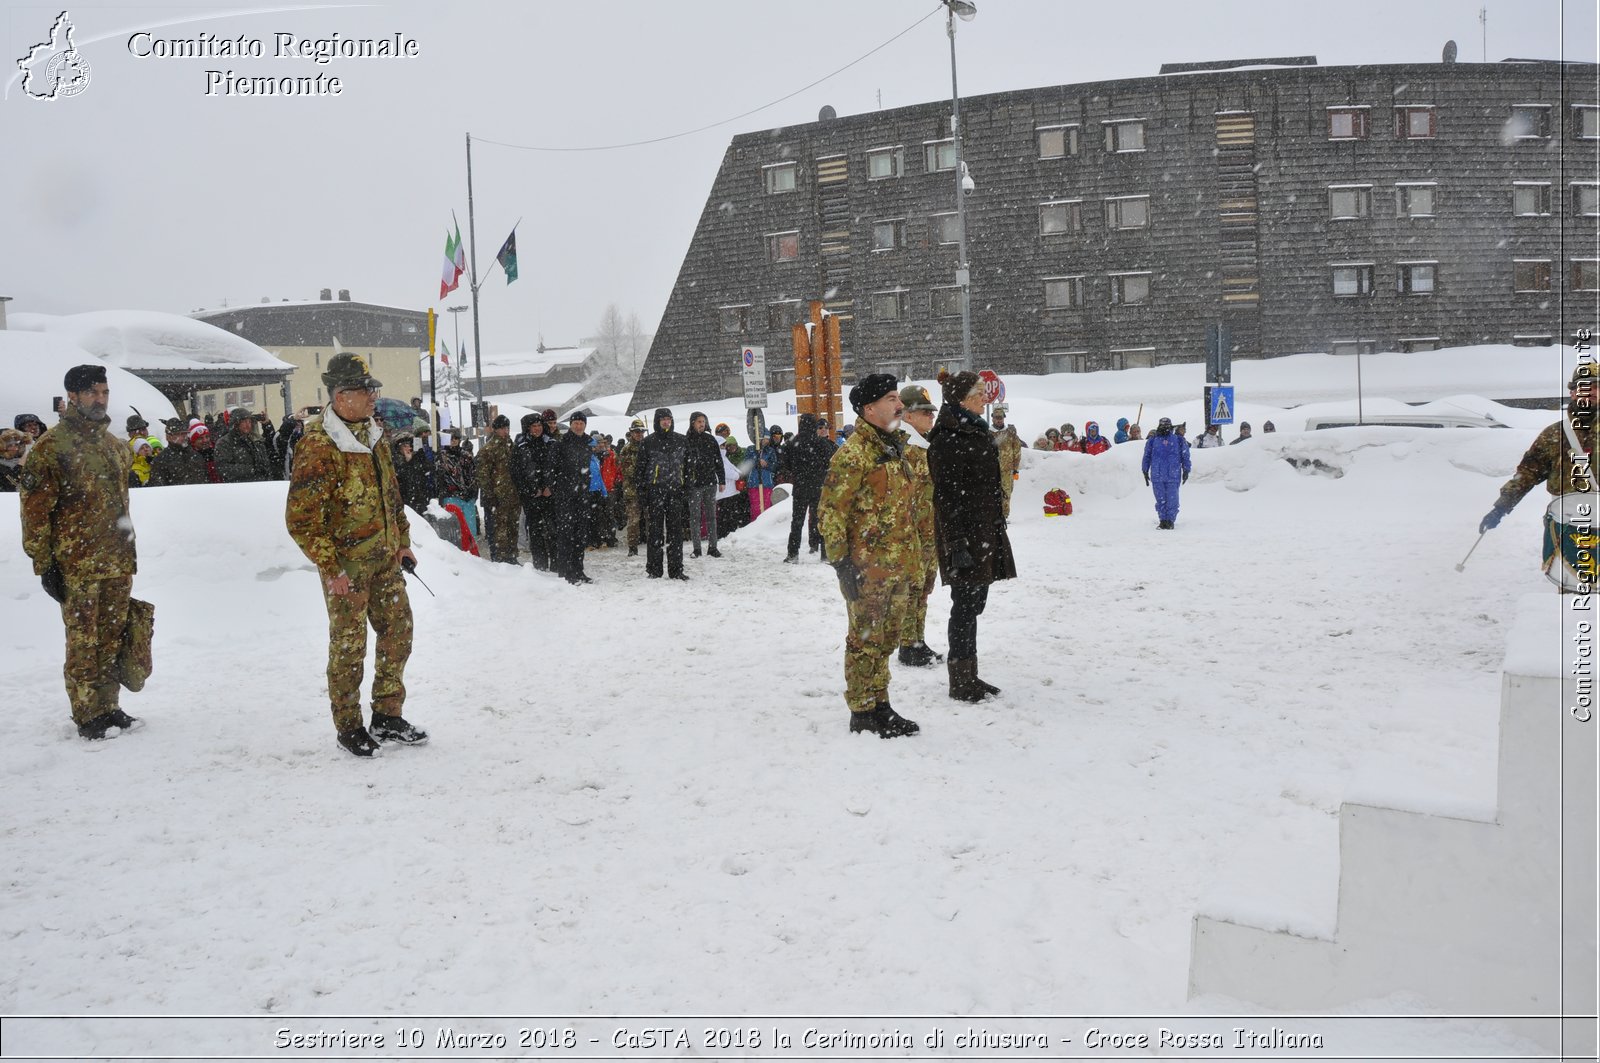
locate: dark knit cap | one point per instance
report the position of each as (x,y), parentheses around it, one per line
(870,389)
(500,421)
(957,387)
(530,419)
(84,377)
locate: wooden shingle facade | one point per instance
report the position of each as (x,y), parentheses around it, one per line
(1305,208)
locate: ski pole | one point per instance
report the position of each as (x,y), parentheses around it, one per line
(1463,565)
(410,567)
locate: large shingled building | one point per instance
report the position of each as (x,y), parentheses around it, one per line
(1306,208)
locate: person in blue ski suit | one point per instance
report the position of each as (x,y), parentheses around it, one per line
(1165,467)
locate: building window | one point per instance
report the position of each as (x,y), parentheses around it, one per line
(885,162)
(1353,278)
(1530,274)
(1532,339)
(1417,278)
(780,177)
(1415,123)
(1128,289)
(1349,201)
(946,302)
(782,315)
(1347,123)
(1585,275)
(1530,199)
(889,234)
(1125,135)
(735,318)
(947,228)
(1414,200)
(211,401)
(939,155)
(386,326)
(319,394)
(1353,347)
(1063,293)
(1066,362)
(248,399)
(411,326)
(1057,142)
(1065,217)
(1414,344)
(232,399)
(1133,357)
(1128,212)
(316,359)
(1529,121)
(1586,199)
(1586,122)
(889,306)
(783,247)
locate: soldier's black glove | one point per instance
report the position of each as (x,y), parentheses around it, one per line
(1492,518)
(55,584)
(849,579)
(961,558)
(1185,477)
(1147,479)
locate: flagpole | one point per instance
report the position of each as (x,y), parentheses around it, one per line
(472,258)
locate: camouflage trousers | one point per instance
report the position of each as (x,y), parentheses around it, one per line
(877,617)
(502,532)
(378,598)
(631,506)
(1007,482)
(914,628)
(95,614)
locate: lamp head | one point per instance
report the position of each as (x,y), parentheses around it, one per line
(963,9)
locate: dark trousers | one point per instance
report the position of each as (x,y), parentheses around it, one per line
(805,510)
(602,519)
(966,604)
(666,516)
(572,536)
(539,523)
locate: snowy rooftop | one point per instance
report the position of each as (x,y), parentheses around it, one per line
(532,363)
(151,340)
(34,365)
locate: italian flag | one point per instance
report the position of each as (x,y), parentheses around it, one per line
(455,263)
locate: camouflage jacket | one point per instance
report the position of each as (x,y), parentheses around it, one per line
(627,463)
(344,509)
(922,514)
(494,475)
(1010,445)
(867,498)
(1550,460)
(178,465)
(243,458)
(75,501)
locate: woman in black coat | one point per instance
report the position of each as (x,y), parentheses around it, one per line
(969,522)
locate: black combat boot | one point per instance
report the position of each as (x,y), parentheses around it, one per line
(633,551)
(920,655)
(989,689)
(358,742)
(123,720)
(882,720)
(96,728)
(712,551)
(791,559)
(396,729)
(964,680)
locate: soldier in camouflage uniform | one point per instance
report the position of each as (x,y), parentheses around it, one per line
(502,506)
(919,414)
(1010,444)
(76,529)
(867,498)
(627,462)
(1551,459)
(345,514)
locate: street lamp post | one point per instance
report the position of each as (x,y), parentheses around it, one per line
(965,11)
(455,315)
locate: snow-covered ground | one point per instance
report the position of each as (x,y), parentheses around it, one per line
(641,797)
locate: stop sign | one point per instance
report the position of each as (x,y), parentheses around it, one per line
(994,389)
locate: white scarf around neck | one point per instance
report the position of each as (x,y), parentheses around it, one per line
(343,437)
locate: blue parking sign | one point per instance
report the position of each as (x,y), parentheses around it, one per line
(1221,403)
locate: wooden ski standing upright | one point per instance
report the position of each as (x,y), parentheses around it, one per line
(818,388)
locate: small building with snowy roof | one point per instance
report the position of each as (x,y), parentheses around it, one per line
(180,357)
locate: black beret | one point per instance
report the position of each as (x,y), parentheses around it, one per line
(501,421)
(84,377)
(870,389)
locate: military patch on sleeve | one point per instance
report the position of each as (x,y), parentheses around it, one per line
(27,481)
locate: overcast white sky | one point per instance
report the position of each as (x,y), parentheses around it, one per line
(144,193)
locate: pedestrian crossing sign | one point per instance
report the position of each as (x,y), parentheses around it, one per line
(1221,404)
